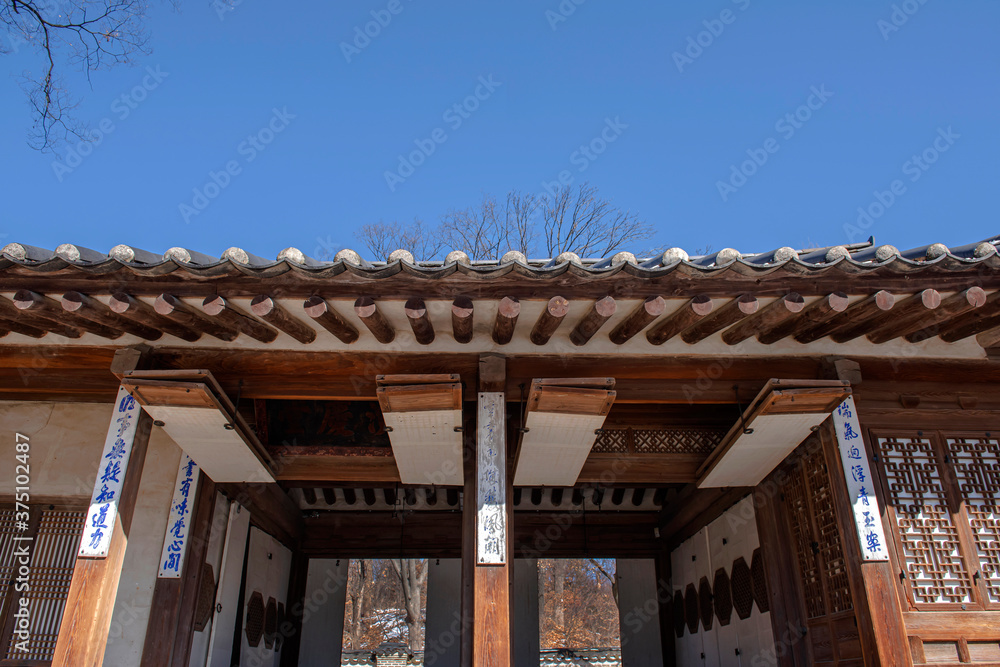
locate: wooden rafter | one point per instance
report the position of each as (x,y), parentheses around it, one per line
(218,307)
(319,310)
(729,314)
(549,319)
(267,309)
(172,307)
(130,307)
(642,316)
(599,313)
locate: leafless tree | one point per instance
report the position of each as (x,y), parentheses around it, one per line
(87,34)
(576,220)
(382,238)
(413,578)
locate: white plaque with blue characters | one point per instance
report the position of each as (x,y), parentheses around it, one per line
(179,520)
(100,523)
(491,509)
(860,484)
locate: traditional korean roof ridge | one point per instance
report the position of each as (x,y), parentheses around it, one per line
(854,258)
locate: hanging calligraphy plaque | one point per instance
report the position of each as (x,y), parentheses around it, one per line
(179,520)
(491,486)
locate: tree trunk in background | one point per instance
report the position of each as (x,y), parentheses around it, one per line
(412,576)
(358,606)
(559,584)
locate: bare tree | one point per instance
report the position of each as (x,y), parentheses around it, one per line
(382,238)
(579,221)
(357,593)
(413,578)
(582,222)
(88,34)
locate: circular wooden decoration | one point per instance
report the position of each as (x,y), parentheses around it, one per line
(691,608)
(759,578)
(255,619)
(679,619)
(742,585)
(705,603)
(723,597)
(270,622)
(206,598)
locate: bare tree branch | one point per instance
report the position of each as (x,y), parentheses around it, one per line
(88,34)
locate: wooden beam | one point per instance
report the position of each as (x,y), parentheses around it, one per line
(461,319)
(549,320)
(97,312)
(138,311)
(49,309)
(12,320)
(969,323)
(643,315)
(862,310)
(367,311)
(172,307)
(682,318)
(225,312)
(813,315)
(268,310)
(416,314)
(599,313)
(86,618)
(765,319)
(729,314)
(907,312)
(317,308)
(508,311)
(953,306)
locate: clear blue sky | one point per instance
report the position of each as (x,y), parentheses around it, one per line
(894,92)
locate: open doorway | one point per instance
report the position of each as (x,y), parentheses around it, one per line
(386,604)
(578,604)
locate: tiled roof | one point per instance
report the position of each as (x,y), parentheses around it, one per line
(855,258)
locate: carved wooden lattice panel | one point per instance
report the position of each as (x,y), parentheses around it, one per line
(612,441)
(798,513)
(676,441)
(52,561)
(928,537)
(976,462)
(838,586)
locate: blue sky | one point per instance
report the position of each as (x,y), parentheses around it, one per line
(684,116)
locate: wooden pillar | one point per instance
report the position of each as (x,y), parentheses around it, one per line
(665,598)
(491,552)
(86,619)
(876,605)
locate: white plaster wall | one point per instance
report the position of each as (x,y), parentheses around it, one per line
(67,440)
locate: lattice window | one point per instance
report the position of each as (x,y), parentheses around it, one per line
(255,619)
(723,597)
(705,604)
(206,598)
(56,533)
(976,462)
(818,549)
(928,536)
(742,589)
(691,610)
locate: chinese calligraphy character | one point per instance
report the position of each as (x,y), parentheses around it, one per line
(874,544)
(95,538)
(849,433)
(105,495)
(111,473)
(173,562)
(863,496)
(117,450)
(99,520)
(844,411)
(869,520)
(858,473)
(177,530)
(854,453)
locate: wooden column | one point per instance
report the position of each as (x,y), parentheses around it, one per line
(491,551)
(876,605)
(86,619)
